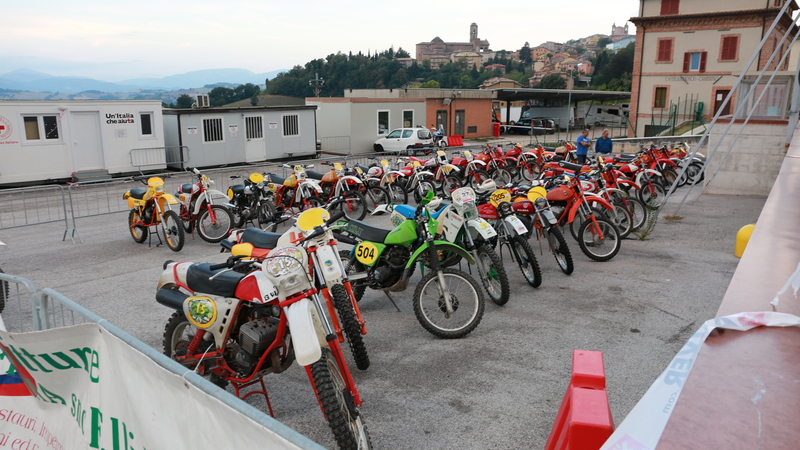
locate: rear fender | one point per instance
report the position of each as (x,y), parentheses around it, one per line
(630,183)
(174,275)
(652,172)
(306,186)
(589,199)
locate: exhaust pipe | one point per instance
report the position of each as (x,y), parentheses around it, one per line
(171,297)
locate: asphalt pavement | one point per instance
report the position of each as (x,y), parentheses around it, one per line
(498,388)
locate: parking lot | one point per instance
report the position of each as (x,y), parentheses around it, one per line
(499,387)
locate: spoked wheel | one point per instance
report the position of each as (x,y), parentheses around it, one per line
(178,334)
(638,212)
(139,233)
(347,315)
(398,193)
(188,225)
(477,177)
(694,173)
(526,260)
(493,275)
(596,246)
(354,205)
(622,219)
(215,230)
(343,416)
(558,245)
(576,223)
(310,202)
(376,195)
(173,231)
(502,176)
(466,298)
(449,184)
(530,171)
(423,187)
(352,266)
(668,177)
(238,214)
(651,190)
(267,215)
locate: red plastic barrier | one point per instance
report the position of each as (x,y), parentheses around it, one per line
(584,420)
(455,141)
(496,129)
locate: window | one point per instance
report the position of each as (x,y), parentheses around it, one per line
(254,127)
(669,7)
(423,133)
(660,98)
(41,128)
(407,133)
(394,134)
(383,122)
(664,50)
(729,48)
(408,118)
(212,130)
(146,124)
(291,125)
(694,61)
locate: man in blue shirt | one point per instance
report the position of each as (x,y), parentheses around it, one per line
(603,144)
(583,143)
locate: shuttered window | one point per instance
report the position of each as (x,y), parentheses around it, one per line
(660,98)
(664,50)
(212,130)
(729,49)
(694,61)
(669,7)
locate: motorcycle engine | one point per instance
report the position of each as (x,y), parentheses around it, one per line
(254,338)
(390,268)
(557,209)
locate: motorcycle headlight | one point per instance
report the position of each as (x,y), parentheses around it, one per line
(291,281)
(541,202)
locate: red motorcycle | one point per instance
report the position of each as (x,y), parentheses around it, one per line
(213,222)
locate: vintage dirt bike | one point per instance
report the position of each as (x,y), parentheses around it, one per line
(536,209)
(511,231)
(326,268)
(463,226)
(150,208)
(235,327)
(447,302)
(198,211)
(253,201)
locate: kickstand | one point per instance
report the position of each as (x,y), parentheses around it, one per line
(150,237)
(392,300)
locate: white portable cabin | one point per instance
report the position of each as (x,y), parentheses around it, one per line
(56,140)
(209,137)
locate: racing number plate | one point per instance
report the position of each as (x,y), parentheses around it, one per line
(366,253)
(517,224)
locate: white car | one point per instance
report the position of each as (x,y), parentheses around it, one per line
(404,138)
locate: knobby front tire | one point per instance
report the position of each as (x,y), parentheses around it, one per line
(352,330)
(467,298)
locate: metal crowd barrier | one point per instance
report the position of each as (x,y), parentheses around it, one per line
(51,309)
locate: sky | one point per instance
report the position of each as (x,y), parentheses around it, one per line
(116,40)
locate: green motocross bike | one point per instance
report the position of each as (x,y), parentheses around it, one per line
(447,302)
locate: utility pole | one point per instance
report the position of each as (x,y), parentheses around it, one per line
(317,83)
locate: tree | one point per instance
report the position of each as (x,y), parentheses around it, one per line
(602,42)
(254,100)
(184,101)
(400,53)
(552,81)
(525,54)
(430,84)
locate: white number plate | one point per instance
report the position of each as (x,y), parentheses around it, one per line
(517,224)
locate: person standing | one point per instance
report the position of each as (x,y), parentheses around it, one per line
(603,144)
(583,143)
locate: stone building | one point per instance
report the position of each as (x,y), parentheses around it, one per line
(439,52)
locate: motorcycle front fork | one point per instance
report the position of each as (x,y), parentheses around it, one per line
(433,256)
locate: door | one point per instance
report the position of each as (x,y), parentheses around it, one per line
(719,97)
(460,119)
(254,146)
(441,120)
(87,147)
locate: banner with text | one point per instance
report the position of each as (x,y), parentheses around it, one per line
(81,387)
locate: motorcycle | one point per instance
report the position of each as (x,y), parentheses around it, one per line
(511,231)
(448,303)
(253,201)
(198,211)
(326,268)
(150,208)
(534,206)
(238,327)
(462,225)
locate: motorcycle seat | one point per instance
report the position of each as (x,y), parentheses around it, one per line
(570,166)
(624,158)
(275,179)
(366,232)
(362,167)
(314,175)
(237,188)
(197,278)
(259,238)
(138,193)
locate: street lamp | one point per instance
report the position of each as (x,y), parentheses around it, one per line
(569,104)
(317,83)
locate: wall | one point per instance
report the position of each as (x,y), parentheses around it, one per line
(653,7)
(754,162)
(478,113)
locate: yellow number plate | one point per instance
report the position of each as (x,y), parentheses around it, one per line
(337,166)
(366,253)
(299,169)
(500,196)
